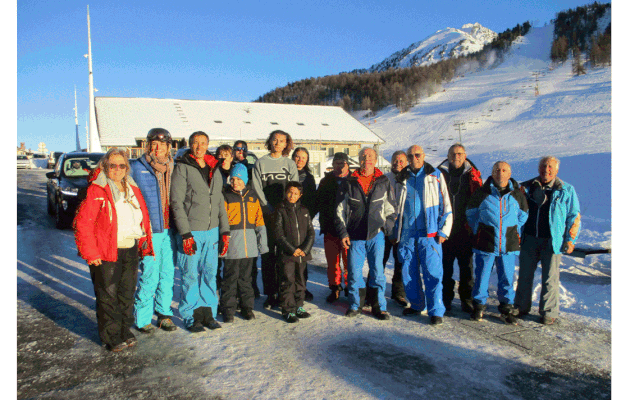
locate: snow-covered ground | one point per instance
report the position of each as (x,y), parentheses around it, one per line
(329,355)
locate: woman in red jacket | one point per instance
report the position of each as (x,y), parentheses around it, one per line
(112,230)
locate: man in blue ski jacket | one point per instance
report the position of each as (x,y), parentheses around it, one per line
(152,172)
(424,223)
(496,213)
(552,228)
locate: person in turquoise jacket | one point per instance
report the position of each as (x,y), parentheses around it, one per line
(552,228)
(496,213)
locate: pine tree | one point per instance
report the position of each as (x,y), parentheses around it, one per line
(578,65)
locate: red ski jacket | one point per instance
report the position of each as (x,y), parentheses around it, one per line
(96,225)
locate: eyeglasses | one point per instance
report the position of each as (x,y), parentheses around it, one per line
(118,166)
(416,155)
(240,149)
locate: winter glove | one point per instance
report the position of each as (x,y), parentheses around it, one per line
(225,242)
(190,247)
(568,247)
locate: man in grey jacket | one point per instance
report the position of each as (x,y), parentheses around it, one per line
(199,212)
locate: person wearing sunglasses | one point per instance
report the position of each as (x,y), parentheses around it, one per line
(424,223)
(153,172)
(112,231)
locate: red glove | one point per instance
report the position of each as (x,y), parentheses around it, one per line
(190,247)
(225,240)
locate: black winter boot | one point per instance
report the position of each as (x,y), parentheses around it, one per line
(247,313)
(371,297)
(362,293)
(507,313)
(335,290)
(477,313)
(197,325)
(208,319)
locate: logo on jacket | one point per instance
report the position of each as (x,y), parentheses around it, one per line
(276,176)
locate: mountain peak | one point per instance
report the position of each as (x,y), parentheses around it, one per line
(442,45)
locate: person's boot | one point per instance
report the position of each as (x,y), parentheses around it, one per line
(197,325)
(247,313)
(371,297)
(362,293)
(208,319)
(507,313)
(271,302)
(381,315)
(335,291)
(477,314)
(467,306)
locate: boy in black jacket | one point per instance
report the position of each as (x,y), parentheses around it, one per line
(295,236)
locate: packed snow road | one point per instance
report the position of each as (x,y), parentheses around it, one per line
(59,354)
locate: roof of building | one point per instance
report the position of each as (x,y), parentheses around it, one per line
(121,121)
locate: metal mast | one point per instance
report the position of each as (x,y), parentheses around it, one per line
(76,119)
(95,143)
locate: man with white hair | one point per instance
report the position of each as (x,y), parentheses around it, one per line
(424,223)
(551,229)
(365,215)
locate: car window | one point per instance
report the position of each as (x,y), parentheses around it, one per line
(22,157)
(80,166)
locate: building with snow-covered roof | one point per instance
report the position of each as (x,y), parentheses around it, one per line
(126,121)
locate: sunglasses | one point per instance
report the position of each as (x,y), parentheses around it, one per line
(118,166)
(416,155)
(240,149)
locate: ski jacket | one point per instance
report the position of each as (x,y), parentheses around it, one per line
(309,191)
(293,229)
(361,215)
(326,202)
(435,204)
(248,234)
(469,181)
(269,179)
(196,205)
(496,220)
(96,224)
(564,211)
(144,176)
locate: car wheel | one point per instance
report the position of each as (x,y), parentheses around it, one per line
(60,218)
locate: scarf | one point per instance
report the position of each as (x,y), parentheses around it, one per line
(163,168)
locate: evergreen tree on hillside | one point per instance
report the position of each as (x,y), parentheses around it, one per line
(578,64)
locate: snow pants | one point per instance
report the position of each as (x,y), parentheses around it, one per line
(269,261)
(458,247)
(199,274)
(372,249)
(534,250)
(422,254)
(293,286)
(237,282)
(335,253)
(155,284)
(505,274)
(114,285)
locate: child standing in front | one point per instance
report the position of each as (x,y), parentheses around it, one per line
(295,236)
(248,238)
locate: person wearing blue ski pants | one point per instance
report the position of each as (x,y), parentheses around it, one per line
(423,254)
(374,250)
(199,274)
(505,274)
(155,285)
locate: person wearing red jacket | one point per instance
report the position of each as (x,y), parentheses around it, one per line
(112,231)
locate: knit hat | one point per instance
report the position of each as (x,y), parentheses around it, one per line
(239,171)
(341,156)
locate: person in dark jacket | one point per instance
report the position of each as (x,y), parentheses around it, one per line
(270,176)
(365,215)
(496,213)
(463,179)
(309,189)
(224,153)
(295,236)
(200,217)
(334,250)
(152,172)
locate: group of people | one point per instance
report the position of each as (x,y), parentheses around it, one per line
(201,208)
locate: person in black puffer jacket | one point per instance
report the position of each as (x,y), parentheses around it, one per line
(295,236)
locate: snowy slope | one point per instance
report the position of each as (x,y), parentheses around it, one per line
(443,44)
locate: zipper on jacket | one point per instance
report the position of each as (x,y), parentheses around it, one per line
(243,217)
(298,228)
(500,222)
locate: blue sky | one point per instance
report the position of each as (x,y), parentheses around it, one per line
(206,50)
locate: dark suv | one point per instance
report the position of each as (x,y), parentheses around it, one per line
(65,183)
